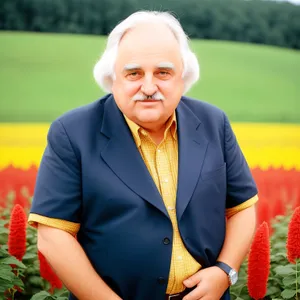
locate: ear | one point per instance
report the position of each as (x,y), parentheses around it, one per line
(112,83)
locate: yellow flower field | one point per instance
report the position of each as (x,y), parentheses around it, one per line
(264,145)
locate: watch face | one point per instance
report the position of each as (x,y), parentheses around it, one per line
(233,275)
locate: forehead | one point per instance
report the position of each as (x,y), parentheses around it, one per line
(149,45)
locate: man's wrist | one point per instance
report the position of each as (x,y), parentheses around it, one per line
(231,273)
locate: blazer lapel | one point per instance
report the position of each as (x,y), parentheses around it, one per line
(123,157)
(192,149)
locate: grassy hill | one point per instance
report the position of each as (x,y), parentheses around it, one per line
(43,75)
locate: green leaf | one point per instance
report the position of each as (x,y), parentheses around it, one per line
(6,276)
(284,270)
(31,270)
(6,268)
(36,281)
(3,222)
(287,294)
(272,290)
(41,296)
(288,281)
(5,285)
(283,254)
(18,282)
(62,293)
(278,256)
(29,256)
(279,245)
(3,253)
(12,261)
(3,240)
(3,230)
(32,248)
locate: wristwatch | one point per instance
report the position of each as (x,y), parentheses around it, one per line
(232,273)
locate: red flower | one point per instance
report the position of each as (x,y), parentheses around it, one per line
(17,232)
(48,274)
(259,263)
(279,208)
(293,238)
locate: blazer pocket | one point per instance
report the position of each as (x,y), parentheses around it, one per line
(214,173)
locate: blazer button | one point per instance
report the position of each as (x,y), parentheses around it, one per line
(161,280)
(166,241)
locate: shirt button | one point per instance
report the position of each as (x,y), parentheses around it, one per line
(166,180)
(179,257)
(170,208)
(161,280)
(158,150)
(166,241)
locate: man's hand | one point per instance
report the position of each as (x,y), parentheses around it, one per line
(211,284)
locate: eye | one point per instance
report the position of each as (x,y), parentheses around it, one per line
(164,74)
(133,75)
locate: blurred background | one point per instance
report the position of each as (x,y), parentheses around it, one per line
(249,55)
(249,63)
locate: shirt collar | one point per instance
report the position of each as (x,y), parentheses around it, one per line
(137,130)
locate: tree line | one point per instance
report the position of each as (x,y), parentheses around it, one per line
(253,21)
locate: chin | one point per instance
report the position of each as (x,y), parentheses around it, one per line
(148,120)
(149,117)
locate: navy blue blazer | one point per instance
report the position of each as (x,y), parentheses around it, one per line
(93,174)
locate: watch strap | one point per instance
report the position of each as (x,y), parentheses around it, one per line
(226,268)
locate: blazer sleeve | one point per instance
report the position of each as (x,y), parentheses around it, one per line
(241,187)
(57,196)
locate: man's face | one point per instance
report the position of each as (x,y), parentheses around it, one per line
(148,63)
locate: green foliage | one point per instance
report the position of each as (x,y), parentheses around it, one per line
(253,21)
(11,270)
(284,277)
(22,280)
(60,295)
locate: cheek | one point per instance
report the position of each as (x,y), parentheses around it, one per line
(172,87)
(130,88)
(124,88)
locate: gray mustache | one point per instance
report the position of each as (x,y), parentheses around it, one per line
(142,97)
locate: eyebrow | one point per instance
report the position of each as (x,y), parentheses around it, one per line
(166,65)
(162,65)
(130,67)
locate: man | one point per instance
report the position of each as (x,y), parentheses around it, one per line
(152,183)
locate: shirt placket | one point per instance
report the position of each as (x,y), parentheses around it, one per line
(167,191)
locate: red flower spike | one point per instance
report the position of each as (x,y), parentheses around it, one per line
(17,232)
(293,237)
(259,263)
(48,274)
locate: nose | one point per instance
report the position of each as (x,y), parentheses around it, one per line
(149,87)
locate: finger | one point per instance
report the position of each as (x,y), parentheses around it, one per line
(195,294)
(192,281)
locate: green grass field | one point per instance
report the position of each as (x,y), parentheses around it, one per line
(44,75)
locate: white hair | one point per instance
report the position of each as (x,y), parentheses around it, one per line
(104,69)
